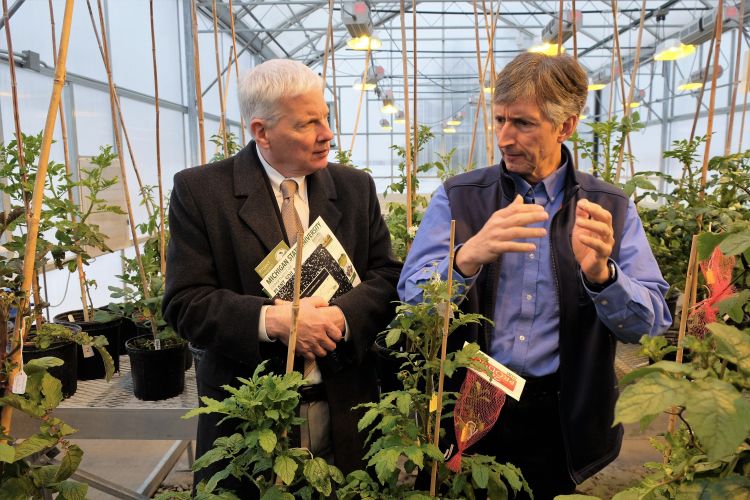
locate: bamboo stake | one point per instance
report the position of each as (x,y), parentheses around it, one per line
(688,300)
(237,66)
(222,102)
(481,70)
(407,127)
(490,39)
(702,91)
(329,38)
(85,306)
(735,84)
(37,199)
(744,103)
(712,101)
(560,29)
(633,76)
(443,352)
(335,94)
(118,113)
(361,96)
(113,105)
(198,93)
(415,126)
(291,348)
(162,227)
(625,105)
(575,56)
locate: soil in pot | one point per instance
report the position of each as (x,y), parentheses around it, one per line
(144,329)
(67,374)
(93,367)
(156,374)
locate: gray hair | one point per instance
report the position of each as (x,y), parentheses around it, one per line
(262,87)
(557,84)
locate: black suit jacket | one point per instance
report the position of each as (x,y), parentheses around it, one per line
(223,221)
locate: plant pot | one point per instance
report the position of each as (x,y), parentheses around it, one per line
(67,374)
(387,365)
(156,374)
(145,330)
(93,367)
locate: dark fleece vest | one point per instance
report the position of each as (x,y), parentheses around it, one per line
(588,386)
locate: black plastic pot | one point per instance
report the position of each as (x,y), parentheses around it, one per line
(67,374)
(93,367)
(145,330)
(387,365)
(156,374)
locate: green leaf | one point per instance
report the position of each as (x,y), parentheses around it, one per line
(414,454)
(576,497)
(34,444)
(52,391)
(732,344)
(480,474)
(69,463)
(285,468)
(7,453)
(394,334)
(367,419)
(650,395)
(72,490)
(734,305)
(18,488)
(719,416)
(267,440)
(385,462)
(735,243)
(707,242)
(403,402)
(316,473)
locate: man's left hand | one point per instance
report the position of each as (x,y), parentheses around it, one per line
(592,240)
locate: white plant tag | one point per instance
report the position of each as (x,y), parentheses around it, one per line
(157,344)
(503,377)
(88,351)
(19,383)
(71,318)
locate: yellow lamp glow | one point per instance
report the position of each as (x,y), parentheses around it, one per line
(400,118)
(366,86)
(449,130)
(453,121)
(597,86)
(364,42)
(635,104)
(388,107)
(672,49)
(690,86)
(546,48)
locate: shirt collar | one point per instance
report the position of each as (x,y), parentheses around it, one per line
(275,177)
(549,189)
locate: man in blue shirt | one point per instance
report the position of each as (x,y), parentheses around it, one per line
(559,260)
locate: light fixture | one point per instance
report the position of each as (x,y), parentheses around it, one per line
(596,85)
(546,48)
(364,42)
(447,129)
(637,99)
(358,22)
(388,107)
(456,119)
(385,125)
(695,80)
(488,87)
(584,114)
(400,118)
(671,49)
(372,79)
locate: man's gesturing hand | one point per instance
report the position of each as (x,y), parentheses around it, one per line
(319,326)
(500,234)
(592,240)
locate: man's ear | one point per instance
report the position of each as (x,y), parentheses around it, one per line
(567,129)
(259,131)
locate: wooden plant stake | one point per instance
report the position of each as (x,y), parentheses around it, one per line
(410,151)
(688,300)
(735,85)
(36,202)
(237,66)
(162,230)
(198,92)
(295,303)
(361,97)
(222,101)
(113,100)
(447,313)
(712,100)
(575,56)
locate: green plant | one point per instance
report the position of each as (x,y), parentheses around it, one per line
(608,144)
(708,456)
(266,407)
(401,234)
(20,477)
(402,425)
(232,146)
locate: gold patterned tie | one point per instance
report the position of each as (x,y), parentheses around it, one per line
(292,224)
(289,215)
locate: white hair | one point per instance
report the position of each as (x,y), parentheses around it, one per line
(262,87)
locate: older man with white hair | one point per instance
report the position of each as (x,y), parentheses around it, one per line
(227,216)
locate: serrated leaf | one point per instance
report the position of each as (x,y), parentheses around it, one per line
(52,391)
(274,493)
(69,463)
(385,462)
(719,416)
(72,490)
(285,468)
(659,366)
(732,344)
(650,395)
(735,243)
(7,453)
(393,336)
(316,473)
(403,403)
(707,242)
(367,419)
(734,305)
(414,454)
(16,488)
(267,440)
(34,444)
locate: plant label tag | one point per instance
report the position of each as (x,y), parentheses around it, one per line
(502,377)
(88,351)
(157,344)
(19,383)
(433,402)
(71,318)
(444,307)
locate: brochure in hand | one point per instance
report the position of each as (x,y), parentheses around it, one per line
(327,271)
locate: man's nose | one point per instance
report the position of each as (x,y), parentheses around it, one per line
(505,135)
(325,134)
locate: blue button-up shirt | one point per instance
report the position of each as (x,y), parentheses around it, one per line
(527,311)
